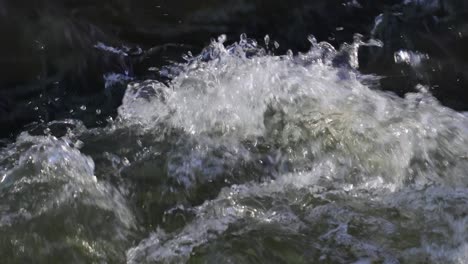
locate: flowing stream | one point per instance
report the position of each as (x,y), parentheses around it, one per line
(244,156)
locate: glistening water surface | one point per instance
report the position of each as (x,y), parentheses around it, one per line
(64,59)
(245,157)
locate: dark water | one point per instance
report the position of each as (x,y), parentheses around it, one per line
(223,132)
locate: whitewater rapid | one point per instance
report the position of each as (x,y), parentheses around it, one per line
(246,157)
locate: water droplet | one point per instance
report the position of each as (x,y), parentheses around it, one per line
(267,39)
(98,111)
(243,37)
(276,44)
(83,107)
(312,40)
(222,38)
(39,45)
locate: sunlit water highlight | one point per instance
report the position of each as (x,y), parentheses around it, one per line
(245,157)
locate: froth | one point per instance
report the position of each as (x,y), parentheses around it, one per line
(331,139)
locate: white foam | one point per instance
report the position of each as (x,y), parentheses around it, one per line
(340,138)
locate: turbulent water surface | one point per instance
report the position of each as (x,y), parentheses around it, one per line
(245,157)
(57,56)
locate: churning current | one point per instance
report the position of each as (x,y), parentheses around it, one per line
(245,157)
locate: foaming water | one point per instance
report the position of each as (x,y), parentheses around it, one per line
(49,200)
(250,157)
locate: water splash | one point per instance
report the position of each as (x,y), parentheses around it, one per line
(330,138)
(52,179)
(246,156)
(411,58)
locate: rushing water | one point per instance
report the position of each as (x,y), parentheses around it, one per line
(245,157)
(137,151)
